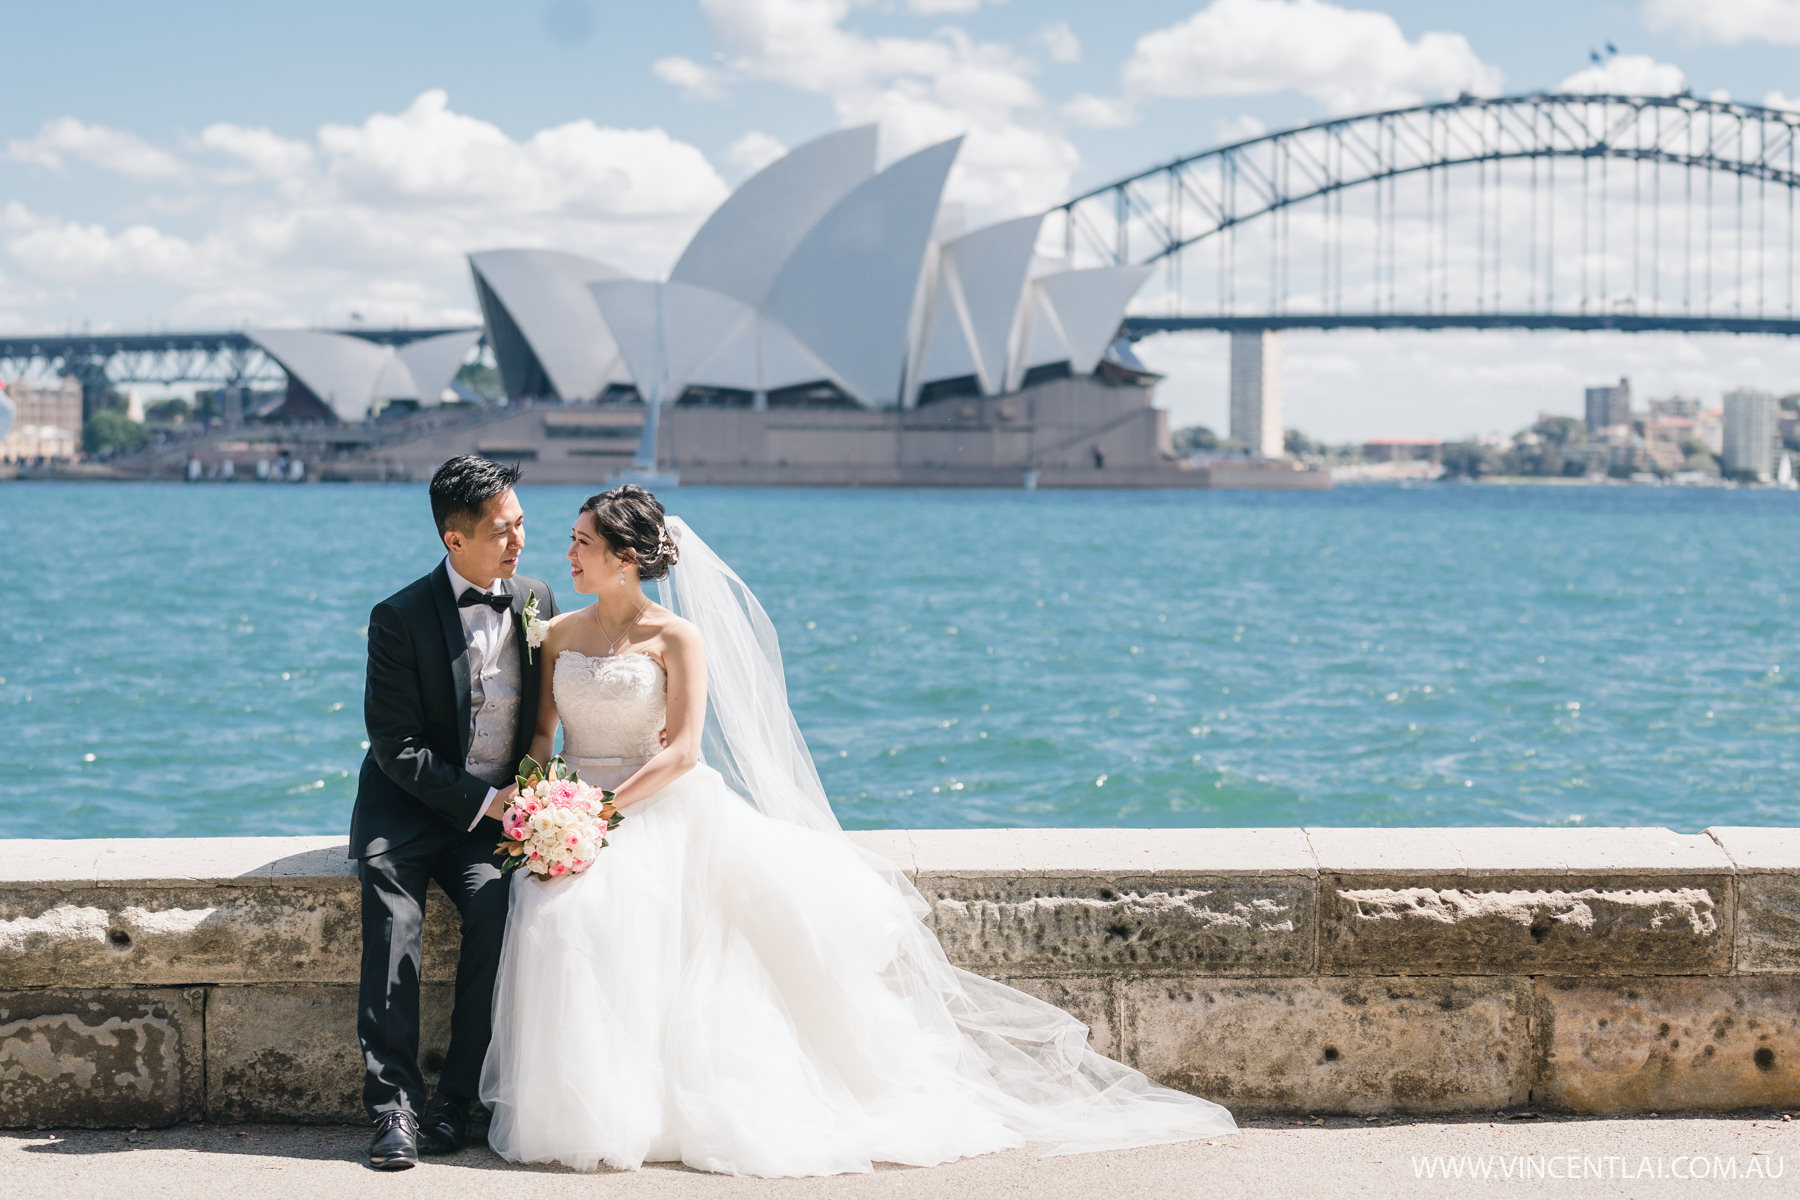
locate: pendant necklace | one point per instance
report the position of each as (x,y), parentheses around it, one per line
(614,642)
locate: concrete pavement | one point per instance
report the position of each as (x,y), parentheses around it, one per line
(1274,1159)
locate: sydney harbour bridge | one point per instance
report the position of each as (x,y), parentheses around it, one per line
(1577,212)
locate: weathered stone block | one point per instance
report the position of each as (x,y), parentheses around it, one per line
(100,1058)
(290,1053)
(1246,926)
(1768,922)
(1662,1044)
(1394,924)
(122,936)
(1336,1045)
(1092,1000)
(1768,896)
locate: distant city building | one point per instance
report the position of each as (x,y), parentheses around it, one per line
(1608,406)
(1626,449)
(1709,427)
(1667,438)
(1686,407)
(1749,441)
(46,420)
(1402,450)
(1256,419)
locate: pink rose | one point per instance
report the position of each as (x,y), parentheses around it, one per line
(558,869)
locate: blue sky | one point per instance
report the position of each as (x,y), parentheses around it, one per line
(194,164)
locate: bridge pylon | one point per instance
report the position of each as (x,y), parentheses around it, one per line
(1256,415)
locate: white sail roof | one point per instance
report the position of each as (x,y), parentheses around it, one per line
(847,290)
(7,411)
(741,247)
(1089,306)
(761,356)
(989,268)
(666,330)
(347,373)
(545,293)
(945,351)
(1040,337)
(434,361)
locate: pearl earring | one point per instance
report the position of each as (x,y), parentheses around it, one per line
(621,574)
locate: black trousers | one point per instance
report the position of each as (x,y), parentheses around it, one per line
(393,913)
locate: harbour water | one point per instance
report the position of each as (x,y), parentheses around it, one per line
(187,660)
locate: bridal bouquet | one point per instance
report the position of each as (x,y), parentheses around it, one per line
(558,824)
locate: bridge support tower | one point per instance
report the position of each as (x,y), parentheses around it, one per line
(1256,416)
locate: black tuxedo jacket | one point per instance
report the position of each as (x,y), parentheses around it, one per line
(416,707)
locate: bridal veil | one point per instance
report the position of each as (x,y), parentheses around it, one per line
(1025,1060)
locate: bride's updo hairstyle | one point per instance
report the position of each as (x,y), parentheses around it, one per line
(635,528)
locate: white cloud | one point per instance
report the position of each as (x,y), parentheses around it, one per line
(1060,42)
(1240,128)
(919,89)
(1727,21)
(697,82)
(933,8)
(1100,112)
(64,139)
(433,154)
(1346,59)
(265,153)
(754,151)
(373,217)
(1628,74)
(54,248)
(1775,99)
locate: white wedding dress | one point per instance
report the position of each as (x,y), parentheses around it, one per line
(749,995)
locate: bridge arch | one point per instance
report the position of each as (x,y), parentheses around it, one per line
(1163,214)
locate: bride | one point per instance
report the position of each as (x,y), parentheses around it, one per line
(734,984)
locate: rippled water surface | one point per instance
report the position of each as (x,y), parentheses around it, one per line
(188,659)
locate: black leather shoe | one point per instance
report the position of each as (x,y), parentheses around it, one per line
(446,1125)
(396,1144)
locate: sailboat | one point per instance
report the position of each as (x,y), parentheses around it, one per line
(1784,474)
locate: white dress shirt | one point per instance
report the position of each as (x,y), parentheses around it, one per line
(486,631)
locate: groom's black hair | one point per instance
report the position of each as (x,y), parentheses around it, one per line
(463,486)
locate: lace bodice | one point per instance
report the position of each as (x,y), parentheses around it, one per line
(610,707)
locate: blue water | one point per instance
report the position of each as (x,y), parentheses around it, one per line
(181,660)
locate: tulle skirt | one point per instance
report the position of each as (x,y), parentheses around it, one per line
(751,997)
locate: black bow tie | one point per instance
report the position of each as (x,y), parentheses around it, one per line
(498,601)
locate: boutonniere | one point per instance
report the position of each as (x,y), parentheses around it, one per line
(535,628)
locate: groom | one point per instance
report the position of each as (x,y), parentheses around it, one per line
(451,704)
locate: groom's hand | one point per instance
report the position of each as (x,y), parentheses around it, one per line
(502,801)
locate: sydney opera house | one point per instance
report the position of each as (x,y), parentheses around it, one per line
(820,327)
